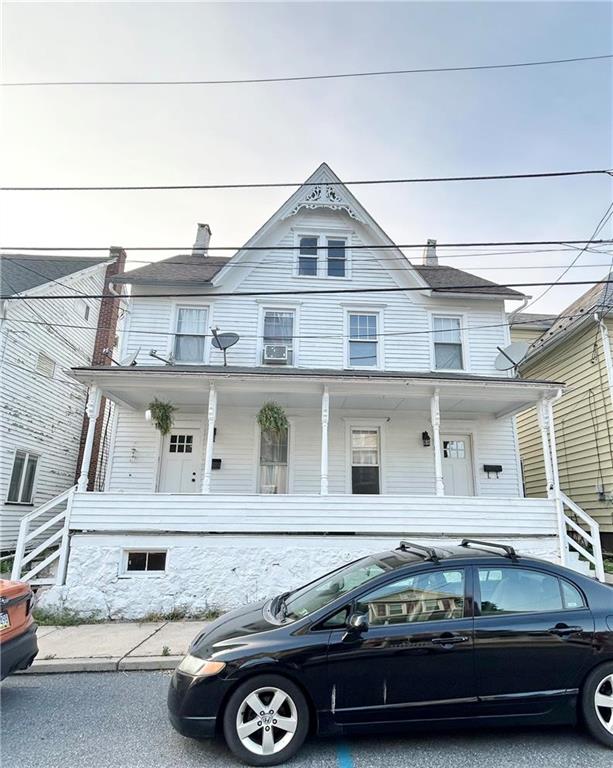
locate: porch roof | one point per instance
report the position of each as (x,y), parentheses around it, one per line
(187,386)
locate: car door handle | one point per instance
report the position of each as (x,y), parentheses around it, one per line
(449,640)
(563,629)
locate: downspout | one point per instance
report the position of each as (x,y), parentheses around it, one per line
(608,356)
(522,306)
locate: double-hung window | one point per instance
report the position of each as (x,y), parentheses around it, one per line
(337,261)
(307,257)
(278,336)
(190,334)
(448,351)
(21,486)
(273,461)
(363,341)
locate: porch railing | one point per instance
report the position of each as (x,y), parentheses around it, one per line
(39,547)
(584,542)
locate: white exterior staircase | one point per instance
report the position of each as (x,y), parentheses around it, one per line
(579,539)
(41,554)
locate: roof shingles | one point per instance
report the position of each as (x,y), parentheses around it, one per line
(22,272)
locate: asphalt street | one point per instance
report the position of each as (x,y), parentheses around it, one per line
(118,720)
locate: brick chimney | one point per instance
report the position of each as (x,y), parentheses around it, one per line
(430,259)
(106,333)
(203,238)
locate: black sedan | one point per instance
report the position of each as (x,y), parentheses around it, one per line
(473,634)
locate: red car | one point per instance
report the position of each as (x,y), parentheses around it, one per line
(18,644)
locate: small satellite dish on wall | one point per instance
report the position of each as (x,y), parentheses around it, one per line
(130,360)
(511,356)
(223,341)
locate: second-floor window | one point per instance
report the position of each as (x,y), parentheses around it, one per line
(278,337)
(363,340)
(190,334)
(447,336)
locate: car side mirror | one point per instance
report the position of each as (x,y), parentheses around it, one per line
(357,622)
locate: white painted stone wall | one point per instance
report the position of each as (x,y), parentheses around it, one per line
(213,571)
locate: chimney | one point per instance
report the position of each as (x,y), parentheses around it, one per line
(430,259)
(203,237)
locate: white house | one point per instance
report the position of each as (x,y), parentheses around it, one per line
(42,407)
(399,423)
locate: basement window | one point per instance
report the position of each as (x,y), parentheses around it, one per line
(145,561)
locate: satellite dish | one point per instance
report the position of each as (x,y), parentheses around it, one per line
(511,356)
(224,340)
(131,360)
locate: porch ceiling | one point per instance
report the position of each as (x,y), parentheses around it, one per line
(460,395)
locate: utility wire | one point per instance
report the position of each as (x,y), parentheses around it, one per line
(479,289)
(381,247)
(297,78)
(298,184)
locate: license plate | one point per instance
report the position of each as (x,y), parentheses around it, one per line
(5,621)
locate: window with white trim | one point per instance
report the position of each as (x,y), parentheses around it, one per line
(363,340)
(190,334)
(274,450)
(145,561)
(21,485)
(45,366)
(278,337)
(307,256)
(337,257)
(322,256)
(447,339)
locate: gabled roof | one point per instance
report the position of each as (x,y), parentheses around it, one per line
(22,272)
(532,320)
(598,299)
(184,269)
(442,276)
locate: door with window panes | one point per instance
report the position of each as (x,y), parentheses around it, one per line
(274,456)
(181,465)
(365,460)
(457,465)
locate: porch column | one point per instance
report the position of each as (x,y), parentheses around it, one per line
(325,417)
(435,416)
(92,409)
(543,417)
(208,453)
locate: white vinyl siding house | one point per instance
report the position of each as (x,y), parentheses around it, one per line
(399,424)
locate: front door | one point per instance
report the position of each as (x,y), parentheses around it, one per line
(457,465)
(533,639)
(415,660)
(181,461)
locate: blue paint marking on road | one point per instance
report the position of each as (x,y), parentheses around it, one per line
(344,756)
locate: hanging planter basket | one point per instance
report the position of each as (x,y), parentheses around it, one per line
(161,415)
(271,418)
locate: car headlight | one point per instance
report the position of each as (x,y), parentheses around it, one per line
(196,667)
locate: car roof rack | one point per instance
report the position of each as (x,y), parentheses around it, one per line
(428,553)
(508,550)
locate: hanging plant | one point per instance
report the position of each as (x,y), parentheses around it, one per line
(162,415)
(272,418)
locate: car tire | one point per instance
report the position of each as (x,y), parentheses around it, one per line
(599,688)
(266,720)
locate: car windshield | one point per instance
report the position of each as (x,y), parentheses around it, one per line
(314,596)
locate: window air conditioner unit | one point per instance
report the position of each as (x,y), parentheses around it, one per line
(276,353)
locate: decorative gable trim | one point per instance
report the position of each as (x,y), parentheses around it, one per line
(325,195)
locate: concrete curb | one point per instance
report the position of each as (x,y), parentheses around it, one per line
(111,664)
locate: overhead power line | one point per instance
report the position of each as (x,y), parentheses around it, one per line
(478,289)
(298,184)
(299,78)
(360,247)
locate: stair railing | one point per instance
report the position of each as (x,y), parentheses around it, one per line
(591,548)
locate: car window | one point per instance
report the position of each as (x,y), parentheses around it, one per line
(429,596)
(519,590)
(571,596)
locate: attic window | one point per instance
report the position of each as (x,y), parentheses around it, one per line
(45,366)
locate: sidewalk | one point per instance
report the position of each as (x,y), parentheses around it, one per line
(113,646)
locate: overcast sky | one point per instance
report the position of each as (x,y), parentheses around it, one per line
(533,119)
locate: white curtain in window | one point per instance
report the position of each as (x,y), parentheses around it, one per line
(448,343)
(273,462)
(278,327)
(190,338)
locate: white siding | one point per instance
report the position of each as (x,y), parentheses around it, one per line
(406,466)
(39,414)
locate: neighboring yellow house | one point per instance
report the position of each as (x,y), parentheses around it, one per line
(575,348)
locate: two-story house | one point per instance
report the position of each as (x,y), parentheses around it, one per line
(391,418)
(41,406)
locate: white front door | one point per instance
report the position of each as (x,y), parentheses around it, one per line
(181,461)
(457,465)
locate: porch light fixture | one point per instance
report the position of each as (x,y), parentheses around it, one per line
(425,439)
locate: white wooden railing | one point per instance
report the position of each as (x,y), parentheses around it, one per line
(38,547)
(590,548)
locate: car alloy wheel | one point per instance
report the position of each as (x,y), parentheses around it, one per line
(603,702)
(266,721)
